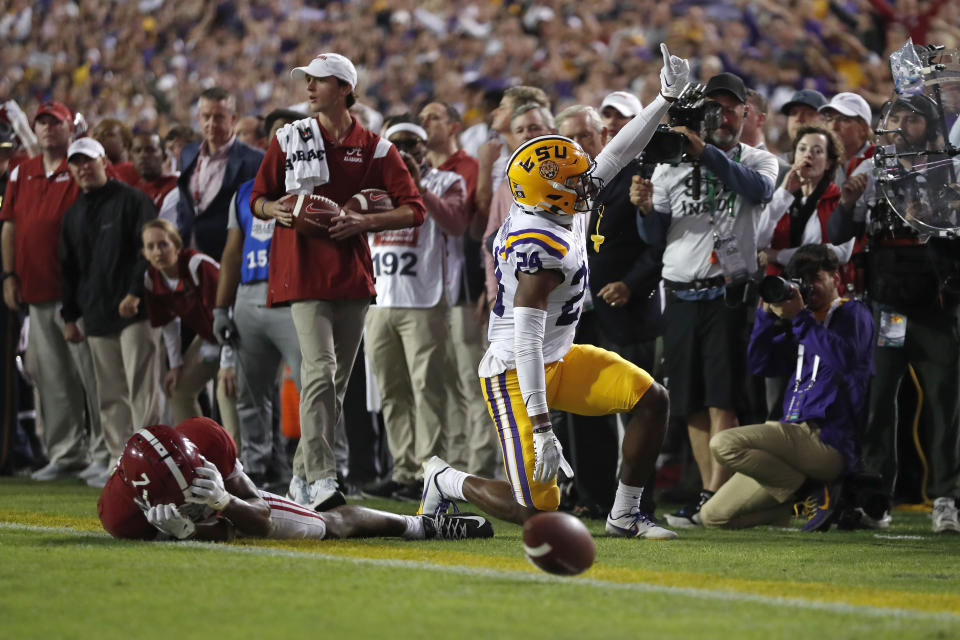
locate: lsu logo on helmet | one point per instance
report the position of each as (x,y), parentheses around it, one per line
(551,175)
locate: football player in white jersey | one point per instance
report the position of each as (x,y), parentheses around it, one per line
(532,363)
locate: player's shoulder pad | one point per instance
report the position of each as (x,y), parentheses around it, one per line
(532,248)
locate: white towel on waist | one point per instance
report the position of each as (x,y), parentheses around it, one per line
(306,158)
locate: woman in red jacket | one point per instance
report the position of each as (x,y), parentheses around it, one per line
(181,286)
(798,212)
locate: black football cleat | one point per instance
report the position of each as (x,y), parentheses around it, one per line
(456,526)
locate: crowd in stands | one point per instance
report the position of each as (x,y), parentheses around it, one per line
(185,97)
(145,62)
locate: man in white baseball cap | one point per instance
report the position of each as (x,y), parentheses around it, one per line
(330,64)
(617,109)
(332,155)
(849,116)
(102,273)
(87,147)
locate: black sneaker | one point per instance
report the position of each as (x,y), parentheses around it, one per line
(382,489)
(408,492)
(456,527)
(689,514)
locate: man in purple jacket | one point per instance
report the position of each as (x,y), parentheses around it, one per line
(824,343)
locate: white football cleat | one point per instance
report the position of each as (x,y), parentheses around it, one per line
(637,524)
(432,500)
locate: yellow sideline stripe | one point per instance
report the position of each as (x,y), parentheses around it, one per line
(399,550)
(50,520)
(814,591)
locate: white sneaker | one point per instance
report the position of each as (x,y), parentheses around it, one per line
(873,523)
(297,491)
(433,501)
(92,470)
(945,515)
(52,471)
(323,495)
(637,524)
(99,481)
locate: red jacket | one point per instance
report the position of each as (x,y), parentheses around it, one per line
(36,203)
(157,189)
(194,298)
(466,166)
(307,268)
(781,235)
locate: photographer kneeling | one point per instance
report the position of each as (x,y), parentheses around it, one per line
(825,344)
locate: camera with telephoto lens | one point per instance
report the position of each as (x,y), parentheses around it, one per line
(776,290)
(692,110)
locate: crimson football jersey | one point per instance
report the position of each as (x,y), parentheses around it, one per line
(120,515)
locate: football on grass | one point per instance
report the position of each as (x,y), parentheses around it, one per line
(370,201)
(558,543)
(312,214)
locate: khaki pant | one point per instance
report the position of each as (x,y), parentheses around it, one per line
(471,445)
(407,350)
(66,389)
(196,373)
(771,461)
(128,369)
(329,334)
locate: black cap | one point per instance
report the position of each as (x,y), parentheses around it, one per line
(919,104)
(810,97)
(8,138)
(281,114)
(728,82)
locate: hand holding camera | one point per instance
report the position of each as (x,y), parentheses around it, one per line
(641,194)
(695,144)
(783,298)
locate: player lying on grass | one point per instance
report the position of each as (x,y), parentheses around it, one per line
(532,364)
(186,483)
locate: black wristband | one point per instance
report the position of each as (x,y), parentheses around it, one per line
(7,274)
(542,428)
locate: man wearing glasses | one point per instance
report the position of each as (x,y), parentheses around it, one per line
(407,330)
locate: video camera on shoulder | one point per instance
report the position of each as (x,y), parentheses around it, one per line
(777,290)
(692,110)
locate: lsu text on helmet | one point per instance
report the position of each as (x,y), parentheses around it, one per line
(550,175)
(158,464)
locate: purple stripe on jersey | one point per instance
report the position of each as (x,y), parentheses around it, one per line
(537,241)
(492,401)
(517,444)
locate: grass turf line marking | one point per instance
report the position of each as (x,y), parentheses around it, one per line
(883,537)
(539,577)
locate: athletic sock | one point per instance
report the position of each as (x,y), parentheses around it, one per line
(414,527)
(451,482)
(627,500)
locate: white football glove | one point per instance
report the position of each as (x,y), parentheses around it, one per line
(168,519)
(548,457)
(209,489)
(673,75)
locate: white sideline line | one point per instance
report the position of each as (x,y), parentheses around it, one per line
(499,574)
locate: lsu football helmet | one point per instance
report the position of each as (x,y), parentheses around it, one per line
(158,464)
(551,176)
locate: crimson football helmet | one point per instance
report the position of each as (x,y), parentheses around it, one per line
(158,465)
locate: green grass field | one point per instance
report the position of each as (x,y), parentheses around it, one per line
(62,577)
